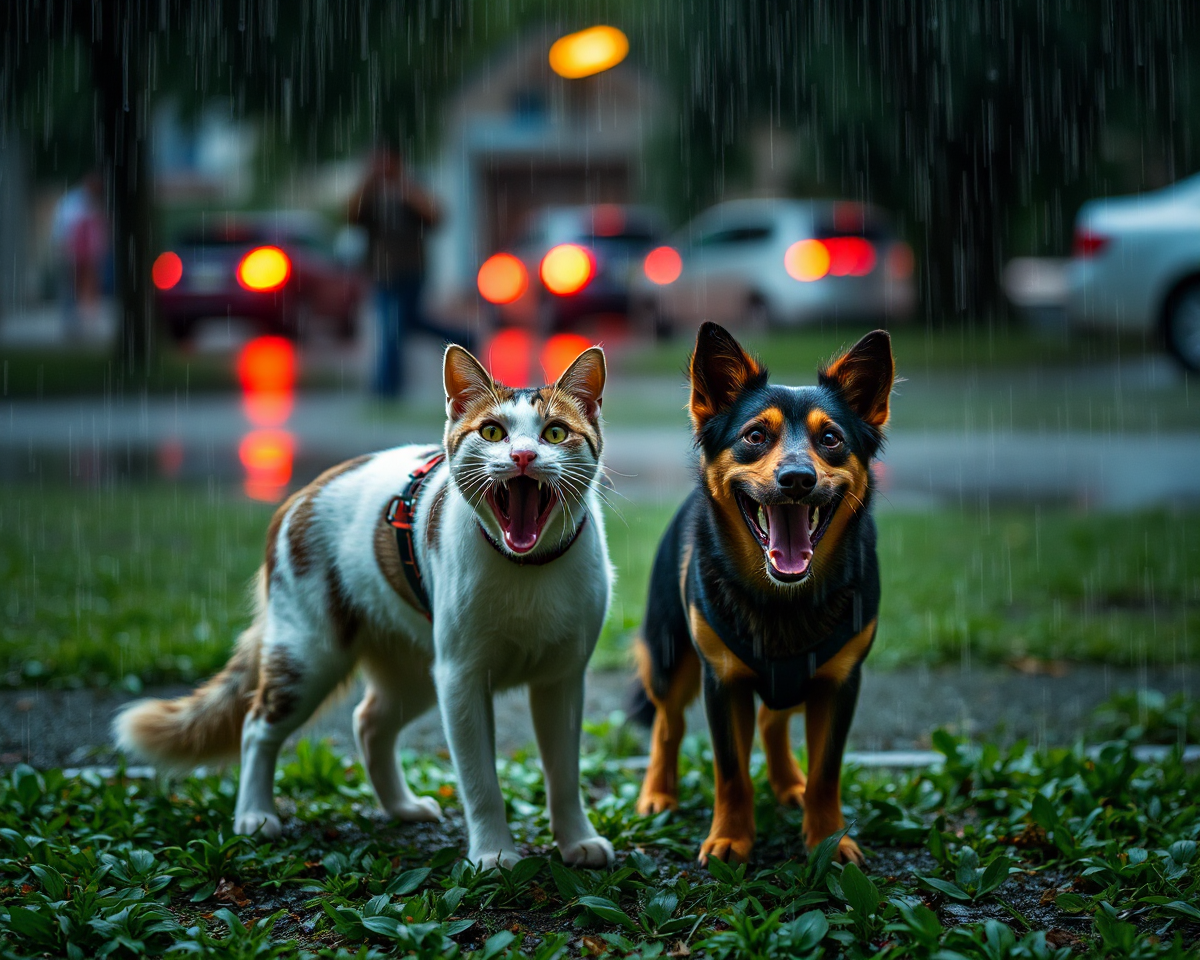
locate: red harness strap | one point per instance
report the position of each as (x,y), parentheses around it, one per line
(401,515)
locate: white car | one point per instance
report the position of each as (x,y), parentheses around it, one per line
(776,262)
(1136,266)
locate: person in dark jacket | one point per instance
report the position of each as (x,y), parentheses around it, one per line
(396,213)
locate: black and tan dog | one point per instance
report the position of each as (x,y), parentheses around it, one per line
(766,582)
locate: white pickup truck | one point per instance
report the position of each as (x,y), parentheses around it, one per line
(1136,266)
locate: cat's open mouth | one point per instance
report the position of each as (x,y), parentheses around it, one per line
(522,506)
(787,532)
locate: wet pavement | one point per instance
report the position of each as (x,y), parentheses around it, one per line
(897,710)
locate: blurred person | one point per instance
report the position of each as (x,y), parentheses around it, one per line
(396,212)
(79,234)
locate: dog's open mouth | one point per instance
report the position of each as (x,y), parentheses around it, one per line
(788,532)
(522,505)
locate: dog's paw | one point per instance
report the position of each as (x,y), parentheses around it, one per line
(498,858)
(847,851)
(267,825)
(655,802)
(791,796)
(726,849)
(416,810)
(592,852)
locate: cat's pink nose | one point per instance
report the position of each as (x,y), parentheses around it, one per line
(523,458)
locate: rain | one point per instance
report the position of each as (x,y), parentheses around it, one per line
(237,237)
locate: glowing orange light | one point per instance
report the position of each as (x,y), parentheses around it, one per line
(663,265)
(559,351)
(264,269)
(267,363)
(267,370)
(588,52)
(267,456)
(502,278)
(566,269)
(508,355)
(807,260)
(167,270)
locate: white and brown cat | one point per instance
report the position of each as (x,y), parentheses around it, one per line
(509,541)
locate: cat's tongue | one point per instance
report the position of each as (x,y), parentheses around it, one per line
(789,547)
(521,532)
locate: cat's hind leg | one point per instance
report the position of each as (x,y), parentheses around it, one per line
(397,692)
(296,674)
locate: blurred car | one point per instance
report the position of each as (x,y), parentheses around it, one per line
(278,270)
(1136,266)
(777,262)
(570,263)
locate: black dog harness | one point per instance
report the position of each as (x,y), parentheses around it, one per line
(781,682)
(401,516)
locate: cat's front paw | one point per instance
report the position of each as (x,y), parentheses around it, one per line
(500,858)
(415,810)
(590,852)
(267,825)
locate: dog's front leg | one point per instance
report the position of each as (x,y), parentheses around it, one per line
(730,709)
(828,712)
(557,710)
(465,698)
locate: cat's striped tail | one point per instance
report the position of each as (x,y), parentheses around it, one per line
(205,726)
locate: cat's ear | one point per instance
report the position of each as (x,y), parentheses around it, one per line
(863,375)
(465,381)
(719,369)
(584,380)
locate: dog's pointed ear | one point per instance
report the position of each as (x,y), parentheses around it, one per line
(584,380)
(863,375)
(465,380)
(719,369)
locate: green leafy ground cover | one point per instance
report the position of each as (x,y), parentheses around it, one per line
(999,854)
(134,585)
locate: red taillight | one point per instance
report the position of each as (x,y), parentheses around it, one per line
(1089,244)
(264,269)
(850,256)
(167,270)
(567,269)
(502,279)
(663,265)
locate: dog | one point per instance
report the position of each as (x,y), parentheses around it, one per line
(766,583)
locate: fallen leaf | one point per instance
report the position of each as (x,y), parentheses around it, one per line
(1037,667)
(230,892)
(594,946)
(680,949)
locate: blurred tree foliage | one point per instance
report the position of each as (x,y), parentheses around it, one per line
(981,123)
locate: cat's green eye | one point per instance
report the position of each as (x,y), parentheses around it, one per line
(554,433)
(491,432)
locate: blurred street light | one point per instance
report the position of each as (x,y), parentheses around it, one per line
(588,52)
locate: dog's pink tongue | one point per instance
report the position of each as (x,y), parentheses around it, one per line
(789,547)
(522,531)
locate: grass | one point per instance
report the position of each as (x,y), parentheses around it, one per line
(921,349)
(134,585)
(997,855)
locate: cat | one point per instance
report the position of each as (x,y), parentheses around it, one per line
(508,586)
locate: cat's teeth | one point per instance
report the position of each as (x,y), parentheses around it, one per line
(814,520)
(764,522)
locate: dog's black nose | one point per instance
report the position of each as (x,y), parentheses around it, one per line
(796,479)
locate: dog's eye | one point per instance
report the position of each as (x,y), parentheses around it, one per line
(831,439)
(554,433)
(755,436)
(492,432)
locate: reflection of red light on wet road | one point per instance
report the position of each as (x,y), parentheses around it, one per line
(508,355)
(267,370)
(559,351)
(267,456)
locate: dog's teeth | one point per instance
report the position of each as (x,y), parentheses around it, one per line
(763,522)
(814,519)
